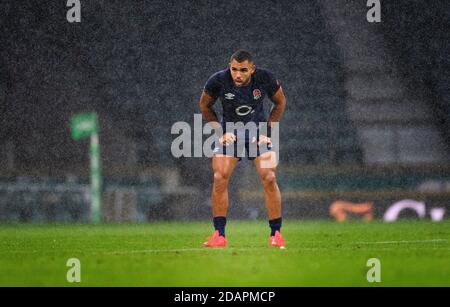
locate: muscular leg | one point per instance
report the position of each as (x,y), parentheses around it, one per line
(272,194)
(223,167)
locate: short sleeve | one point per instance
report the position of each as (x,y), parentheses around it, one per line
(213,86)
(271,83)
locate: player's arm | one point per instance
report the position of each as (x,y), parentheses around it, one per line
(206,107)
(279,101)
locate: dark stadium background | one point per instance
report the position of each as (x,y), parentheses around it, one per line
(367,118)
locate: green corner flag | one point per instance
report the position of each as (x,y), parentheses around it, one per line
(82,126)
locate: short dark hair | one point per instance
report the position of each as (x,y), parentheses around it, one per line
(241,56)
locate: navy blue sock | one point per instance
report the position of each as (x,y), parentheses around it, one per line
(274,226)
(219,224)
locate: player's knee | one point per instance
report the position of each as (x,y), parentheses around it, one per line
(220,176)
(268,178)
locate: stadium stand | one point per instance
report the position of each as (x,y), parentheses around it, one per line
(357,98)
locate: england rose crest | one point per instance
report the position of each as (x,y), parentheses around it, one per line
(256,94)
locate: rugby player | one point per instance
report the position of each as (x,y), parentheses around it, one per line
(241,88)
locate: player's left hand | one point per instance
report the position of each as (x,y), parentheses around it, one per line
(262,140)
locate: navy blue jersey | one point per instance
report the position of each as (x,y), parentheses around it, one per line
(242,104)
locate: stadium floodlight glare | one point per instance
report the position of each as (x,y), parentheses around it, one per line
(82,126)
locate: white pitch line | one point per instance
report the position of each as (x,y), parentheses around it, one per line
(200,249)
(205,249)
(165,250)
(161,251)
(403,241)
(143,251)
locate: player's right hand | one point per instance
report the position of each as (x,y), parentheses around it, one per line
(227,139)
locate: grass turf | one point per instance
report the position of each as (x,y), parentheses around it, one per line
(319,253)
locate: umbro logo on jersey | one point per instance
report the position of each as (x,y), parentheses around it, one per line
(229,96)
